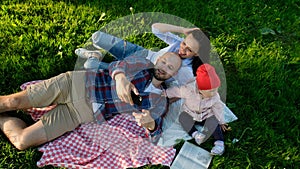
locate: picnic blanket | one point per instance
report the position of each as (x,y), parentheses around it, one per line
(118,143)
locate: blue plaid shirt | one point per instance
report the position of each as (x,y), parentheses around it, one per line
(101,89)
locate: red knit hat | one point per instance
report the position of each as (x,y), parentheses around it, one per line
(207,77)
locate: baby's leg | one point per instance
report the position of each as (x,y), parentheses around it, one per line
(218,133)
(210,126)
(215,128)
(187,123)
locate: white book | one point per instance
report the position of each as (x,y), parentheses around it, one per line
(191,156)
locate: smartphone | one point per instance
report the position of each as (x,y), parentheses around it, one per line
(137,99)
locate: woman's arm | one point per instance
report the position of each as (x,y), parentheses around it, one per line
(164,34)
(163,27)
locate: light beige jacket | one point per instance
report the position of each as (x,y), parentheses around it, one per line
(195,105)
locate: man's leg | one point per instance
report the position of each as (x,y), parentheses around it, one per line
(53,90)
(20,135)
(41,94)
(53,124)
(14,102)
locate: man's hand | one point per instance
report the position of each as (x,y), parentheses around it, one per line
(144,119)
(124,88)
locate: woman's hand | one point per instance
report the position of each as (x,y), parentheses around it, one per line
(163,27)
(187,31)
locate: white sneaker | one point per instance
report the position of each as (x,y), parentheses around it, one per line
(199,137)
(218,149)
(85,54)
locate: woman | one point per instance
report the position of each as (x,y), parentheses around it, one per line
(194,49)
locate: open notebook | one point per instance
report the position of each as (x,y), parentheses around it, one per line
(191,156)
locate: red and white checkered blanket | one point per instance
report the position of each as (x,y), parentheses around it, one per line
(118,143)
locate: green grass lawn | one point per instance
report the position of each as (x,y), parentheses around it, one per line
(258,44)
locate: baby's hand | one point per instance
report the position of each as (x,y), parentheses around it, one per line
(225,127)
(164,93)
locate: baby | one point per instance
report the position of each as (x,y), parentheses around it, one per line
(202,105)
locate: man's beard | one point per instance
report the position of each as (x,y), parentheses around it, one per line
(156,76)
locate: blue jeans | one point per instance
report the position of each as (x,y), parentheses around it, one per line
(117,47)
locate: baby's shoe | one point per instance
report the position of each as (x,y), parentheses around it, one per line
(199,137)
(85,54)
(219,148)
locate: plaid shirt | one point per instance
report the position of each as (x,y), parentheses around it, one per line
(101,88)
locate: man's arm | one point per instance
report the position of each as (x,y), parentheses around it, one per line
(145,119)
(154,126)
(131,65)
(153,117)
(124,88)
(123,71)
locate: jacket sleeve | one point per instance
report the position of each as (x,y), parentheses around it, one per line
(178,91)
(217,110)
